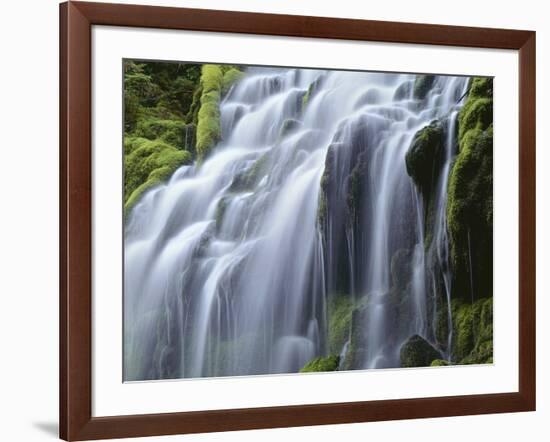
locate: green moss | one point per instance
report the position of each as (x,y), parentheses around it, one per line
(424,154)
(417,352)
(230,77)
(442,321)
(477,112)
(330,363)
(147,164)
(476,115)
(473,331)
(211,78)
(340,309)
(208,118)
(422,85)
(439,363)
(470,195)
(132,143)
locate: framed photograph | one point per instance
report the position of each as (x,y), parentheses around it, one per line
(274,220)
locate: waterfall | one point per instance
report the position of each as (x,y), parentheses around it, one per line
(230,265)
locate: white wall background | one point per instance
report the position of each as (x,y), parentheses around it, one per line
(29,218)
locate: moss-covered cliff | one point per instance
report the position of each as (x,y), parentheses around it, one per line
(470,196)
(171,117)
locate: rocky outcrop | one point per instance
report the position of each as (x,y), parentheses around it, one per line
(424,156)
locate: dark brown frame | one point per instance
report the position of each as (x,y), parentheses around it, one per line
(76,421)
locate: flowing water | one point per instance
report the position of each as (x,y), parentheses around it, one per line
(229,267)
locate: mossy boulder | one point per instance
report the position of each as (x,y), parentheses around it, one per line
(417,352)
(147,164)
(424,156)
(473,331)
(470,195)
(329,363)
(422,85)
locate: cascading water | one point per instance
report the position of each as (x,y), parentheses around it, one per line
(230,266)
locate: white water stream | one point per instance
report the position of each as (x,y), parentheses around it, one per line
(227,270)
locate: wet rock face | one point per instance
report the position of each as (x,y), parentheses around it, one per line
(417,352)
(422,85)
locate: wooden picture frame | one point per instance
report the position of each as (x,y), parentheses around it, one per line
(76,21)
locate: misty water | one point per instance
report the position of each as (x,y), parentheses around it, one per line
(230,267)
